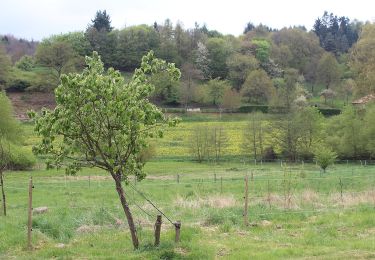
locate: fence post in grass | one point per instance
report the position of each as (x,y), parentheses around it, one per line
(30,214)
(341,190)
(177,226)
(215,177)
(157,230)
(89,180)
(221,184)
(178,178)
(245,214)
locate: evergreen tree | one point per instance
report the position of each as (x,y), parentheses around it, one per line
(102,21)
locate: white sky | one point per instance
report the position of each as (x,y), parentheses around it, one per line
(36,19)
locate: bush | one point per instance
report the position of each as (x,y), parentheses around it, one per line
(329,111)
(253,108)
(20,158)
(324,157)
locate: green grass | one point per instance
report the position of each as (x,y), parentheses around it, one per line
(317,223)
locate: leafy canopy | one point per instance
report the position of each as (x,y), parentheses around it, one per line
(101,121)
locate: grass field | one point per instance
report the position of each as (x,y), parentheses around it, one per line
(295,212)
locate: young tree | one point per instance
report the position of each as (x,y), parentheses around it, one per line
(328,71)
(219,140)
(104,122)
(199,143)
(324,157)
(253,135)
(57,56)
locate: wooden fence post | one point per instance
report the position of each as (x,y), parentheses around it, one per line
(245,214)
(221,184)
(177,226)
(178,178)
(215,177)
(30,214)
(157,230)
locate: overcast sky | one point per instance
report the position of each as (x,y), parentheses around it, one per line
(37,19)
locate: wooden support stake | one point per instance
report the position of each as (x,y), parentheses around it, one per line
(221,184)
(178,178)
(30,214)
(177,226)
(215,177)
(157,230)
(245,214)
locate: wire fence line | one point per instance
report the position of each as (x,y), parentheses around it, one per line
(343,195)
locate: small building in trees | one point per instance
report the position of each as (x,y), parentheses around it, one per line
(363,101)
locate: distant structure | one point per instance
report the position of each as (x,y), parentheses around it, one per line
(194,110)
(363,101)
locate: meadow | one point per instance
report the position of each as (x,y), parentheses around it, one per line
(295,212)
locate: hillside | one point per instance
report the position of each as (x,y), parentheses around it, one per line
(25,101)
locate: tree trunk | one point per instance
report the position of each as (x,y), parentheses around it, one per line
(128,214)
(3,193)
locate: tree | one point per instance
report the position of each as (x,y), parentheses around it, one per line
(218,140)
(328,71)
(249,27)
(343,132)
(297,49)
(215,89)
(199,144)
(363,61)
(262,49)
(218,51)
(189,75)
(231,99)
(258,87)
(335,34)
(324,157)
(5,66)
(253,135)
(102,21)
(286,88)
(57,56)
(239,66)
(104,122)
(133,43)
(202,60)
(9,132)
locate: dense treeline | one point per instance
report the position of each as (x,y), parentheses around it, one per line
(263,66)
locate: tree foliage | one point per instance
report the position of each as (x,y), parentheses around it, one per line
(363,61)
(258,87)
(101,121)
(102,21)
(336,34)
(5,66)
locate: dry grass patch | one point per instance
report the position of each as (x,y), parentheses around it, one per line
(214,201)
